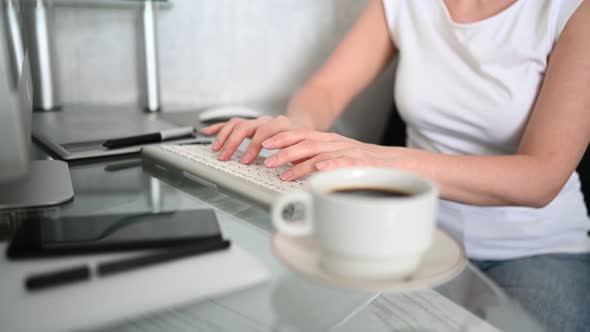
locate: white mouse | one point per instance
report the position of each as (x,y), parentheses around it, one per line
(224,113)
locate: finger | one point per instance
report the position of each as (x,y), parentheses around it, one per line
(299,161)
(291,137)
(213,129)
(341,152)
(265,131)
(241,130)
(286,138)
(223,135)
(237,136)
(307,167)
(304,149)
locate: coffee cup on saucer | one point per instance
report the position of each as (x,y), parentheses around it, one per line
(370,223)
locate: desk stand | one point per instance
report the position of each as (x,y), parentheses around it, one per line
(48,184)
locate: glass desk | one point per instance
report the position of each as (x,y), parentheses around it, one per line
(287,302)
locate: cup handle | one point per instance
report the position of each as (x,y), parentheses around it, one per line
(291,214)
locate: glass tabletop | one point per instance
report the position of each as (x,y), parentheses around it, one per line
(288,301)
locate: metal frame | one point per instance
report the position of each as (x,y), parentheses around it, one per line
(15,38)
(46,87)
(150,42)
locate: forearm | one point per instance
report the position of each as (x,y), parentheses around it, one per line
(517,180)
(555,137)
(362,56)
(314,108)
(556,134)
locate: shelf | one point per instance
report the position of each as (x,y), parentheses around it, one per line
(162,4)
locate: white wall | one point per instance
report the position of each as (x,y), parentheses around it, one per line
(211,52)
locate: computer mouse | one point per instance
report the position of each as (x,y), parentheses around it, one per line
(224,113)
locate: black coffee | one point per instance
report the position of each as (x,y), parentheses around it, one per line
(372,192)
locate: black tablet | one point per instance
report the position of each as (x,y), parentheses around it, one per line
(41,236)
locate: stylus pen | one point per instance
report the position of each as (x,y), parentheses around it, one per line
(84,273)
(124,265)
(161,136)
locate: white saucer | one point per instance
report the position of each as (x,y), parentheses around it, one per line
(442,262)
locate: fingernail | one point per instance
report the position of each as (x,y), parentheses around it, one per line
(271,161)
(288,175)
(321,166)
(268,143)
(222,155)
(216,146)
(246,158)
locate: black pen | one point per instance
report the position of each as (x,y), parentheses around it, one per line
(161,136)
(57,278)
(81,273)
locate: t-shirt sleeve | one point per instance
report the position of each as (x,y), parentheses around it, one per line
(392,14)
(567,8)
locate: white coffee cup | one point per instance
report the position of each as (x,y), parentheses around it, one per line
(361,236)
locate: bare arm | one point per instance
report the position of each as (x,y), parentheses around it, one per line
(552,145)
(359,59)
(553,142)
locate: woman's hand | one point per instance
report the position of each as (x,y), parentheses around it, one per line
(232,133)
(310,151)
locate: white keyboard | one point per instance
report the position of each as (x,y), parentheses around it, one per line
(255,181)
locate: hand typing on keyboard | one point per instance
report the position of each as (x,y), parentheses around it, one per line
(255,173)
(232,133)
(302,151)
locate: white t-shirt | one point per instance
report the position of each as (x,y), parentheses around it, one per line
(468,89)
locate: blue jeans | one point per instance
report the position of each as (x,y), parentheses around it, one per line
(554,288)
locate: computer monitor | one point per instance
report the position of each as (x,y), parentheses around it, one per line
(23,183)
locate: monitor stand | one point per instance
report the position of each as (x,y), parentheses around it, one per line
(48,183)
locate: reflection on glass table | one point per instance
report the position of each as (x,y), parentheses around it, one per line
(288,302)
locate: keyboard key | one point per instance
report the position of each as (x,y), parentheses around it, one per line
(256,173)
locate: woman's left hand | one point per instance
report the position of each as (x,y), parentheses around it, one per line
(310,151)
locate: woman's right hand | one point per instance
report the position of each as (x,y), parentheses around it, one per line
(232,133)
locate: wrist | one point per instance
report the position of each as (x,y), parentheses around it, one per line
(302,121)
(402,158)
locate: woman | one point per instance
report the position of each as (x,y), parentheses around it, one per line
(496,98)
